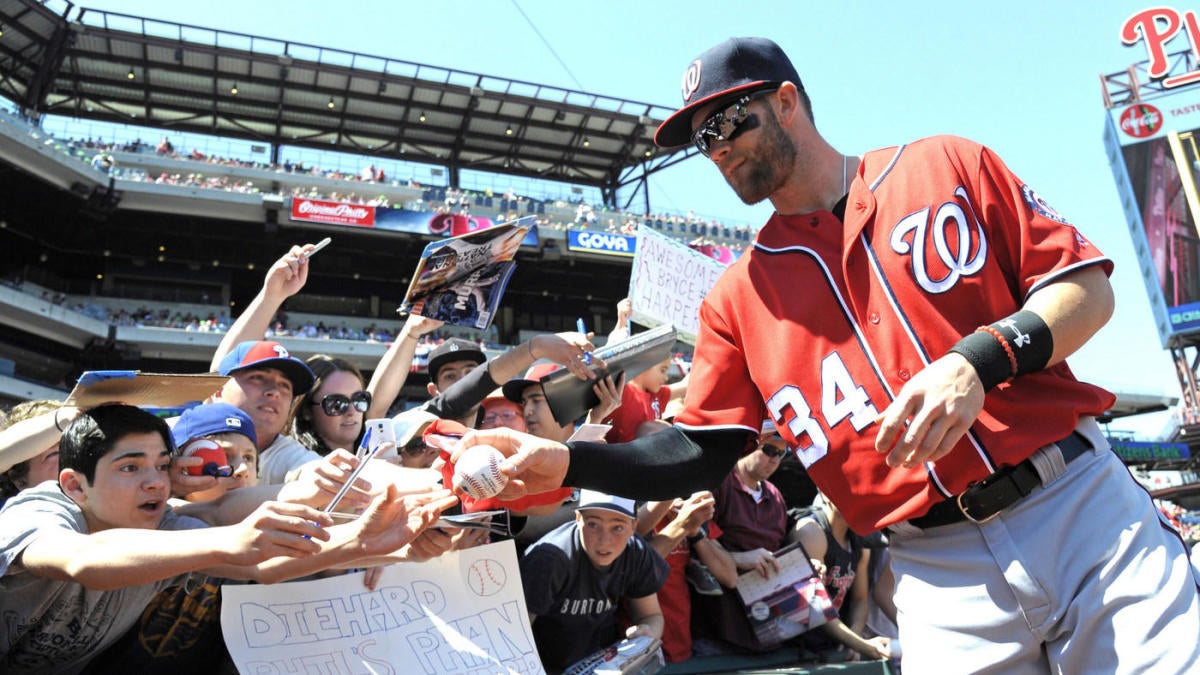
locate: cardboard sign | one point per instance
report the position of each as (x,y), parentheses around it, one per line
(669,281)
(133,387)
(461,612)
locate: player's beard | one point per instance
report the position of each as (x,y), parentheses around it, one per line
(768,163)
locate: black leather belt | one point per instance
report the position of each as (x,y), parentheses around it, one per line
(982,501)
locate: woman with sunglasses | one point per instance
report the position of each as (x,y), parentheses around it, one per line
(332,414)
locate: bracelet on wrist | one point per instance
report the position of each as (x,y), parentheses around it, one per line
(57,425)
(694,539)
(1016,345)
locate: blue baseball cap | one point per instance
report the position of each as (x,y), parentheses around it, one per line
(212,418)
(268,354)
(736,66)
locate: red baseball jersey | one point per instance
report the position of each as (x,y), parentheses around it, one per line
(821,323)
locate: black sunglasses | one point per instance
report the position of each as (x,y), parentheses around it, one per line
(415,447)
(727,124)
(772,451)
(339,404)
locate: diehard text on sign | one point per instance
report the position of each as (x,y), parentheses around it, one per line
(461,612)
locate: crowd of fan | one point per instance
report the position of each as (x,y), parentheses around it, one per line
(261,373)
(668,570)
(438,200)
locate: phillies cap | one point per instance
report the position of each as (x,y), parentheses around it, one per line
(736,66)
(454,349)
(268,354)
(212,418)
(515,387)
(591,499)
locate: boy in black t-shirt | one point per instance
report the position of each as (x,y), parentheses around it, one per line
(577,574)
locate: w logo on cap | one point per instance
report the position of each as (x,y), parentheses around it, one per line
(691,80)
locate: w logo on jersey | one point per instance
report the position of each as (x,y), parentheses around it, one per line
(945,245)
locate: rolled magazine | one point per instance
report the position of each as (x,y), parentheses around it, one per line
(570,398)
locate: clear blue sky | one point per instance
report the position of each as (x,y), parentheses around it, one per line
(1021,76)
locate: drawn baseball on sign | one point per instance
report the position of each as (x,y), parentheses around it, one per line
(486,577)
(477,472)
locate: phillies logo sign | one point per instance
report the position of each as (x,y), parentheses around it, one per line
(1141,120)
(1156,26)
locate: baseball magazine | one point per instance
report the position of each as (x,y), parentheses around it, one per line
(461,280)
(788,603)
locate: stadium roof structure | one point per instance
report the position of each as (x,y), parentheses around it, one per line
(92,64)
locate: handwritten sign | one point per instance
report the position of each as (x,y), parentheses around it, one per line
(463,612)
(669,281)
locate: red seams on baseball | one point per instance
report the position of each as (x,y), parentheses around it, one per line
(477,472)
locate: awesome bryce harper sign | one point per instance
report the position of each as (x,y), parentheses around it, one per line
(463,612)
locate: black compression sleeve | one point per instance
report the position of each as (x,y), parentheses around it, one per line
(668,464)
(463,395)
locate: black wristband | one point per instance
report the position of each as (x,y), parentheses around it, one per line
(696,538)
(985,354)
(1017,345)
(1030,339)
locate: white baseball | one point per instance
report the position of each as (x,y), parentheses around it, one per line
(477,472)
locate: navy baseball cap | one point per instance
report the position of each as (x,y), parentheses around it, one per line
(454,349)
(268,354)
(736,66)
(212,418)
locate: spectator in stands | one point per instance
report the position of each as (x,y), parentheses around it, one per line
(180,630)
(753,519)
(233,431)
(539,420)
(458,392)
(645,398)
(264,382)
(29,437)
(332,413)
(411,449)
(839,557)
(80,560)
(498,411)
(450,362)
(681,532)
(587,568)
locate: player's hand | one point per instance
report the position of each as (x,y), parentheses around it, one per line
(931,414)
(183,483)
(318,482)
(568,350)
(609,393)
(277,529)
(393,521)
(288,275)
(533,465)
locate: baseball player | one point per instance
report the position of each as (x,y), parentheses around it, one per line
(903,318)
